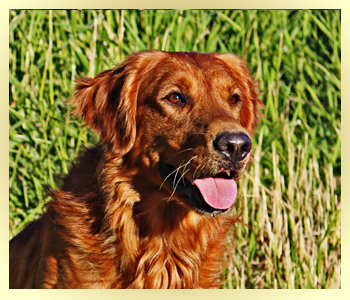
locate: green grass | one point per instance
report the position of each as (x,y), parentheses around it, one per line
(290,195)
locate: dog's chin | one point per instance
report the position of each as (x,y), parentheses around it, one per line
(186,191)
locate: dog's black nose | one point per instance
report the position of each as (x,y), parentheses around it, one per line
(234,145)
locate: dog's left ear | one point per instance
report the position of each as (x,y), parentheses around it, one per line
(250,110)
(108,102)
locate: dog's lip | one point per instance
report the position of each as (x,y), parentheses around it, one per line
(189,192)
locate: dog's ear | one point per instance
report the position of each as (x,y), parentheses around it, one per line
(108,102)
(250,110)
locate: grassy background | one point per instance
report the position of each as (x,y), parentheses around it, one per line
(291,194)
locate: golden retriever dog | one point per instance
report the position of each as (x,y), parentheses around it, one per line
(149,206)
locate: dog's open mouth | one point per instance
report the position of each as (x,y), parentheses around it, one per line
(209,195)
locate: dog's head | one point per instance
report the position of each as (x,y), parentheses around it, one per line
(183,120)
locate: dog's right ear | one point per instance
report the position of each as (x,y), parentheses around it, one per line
(108,102)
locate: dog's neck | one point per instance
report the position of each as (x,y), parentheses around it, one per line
(183,245)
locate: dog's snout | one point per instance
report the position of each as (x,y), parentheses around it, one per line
(234,145)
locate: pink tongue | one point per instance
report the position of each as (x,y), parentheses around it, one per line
(219,193)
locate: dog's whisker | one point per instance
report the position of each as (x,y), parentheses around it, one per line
(199,166)
(184,171)
(182,166)
(166,179)
(182,176)
(174,189)
(194,173)
(176,170)
(188,149)
(204,165)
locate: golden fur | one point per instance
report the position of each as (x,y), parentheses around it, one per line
(114,223)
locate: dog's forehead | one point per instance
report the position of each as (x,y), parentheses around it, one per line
(191,68)
(195,61)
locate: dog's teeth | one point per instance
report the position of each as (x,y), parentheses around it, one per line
(227,172)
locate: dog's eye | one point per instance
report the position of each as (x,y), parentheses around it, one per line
(235,98)
(176,98)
